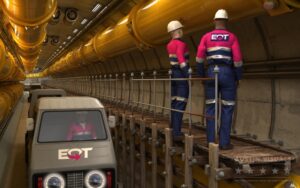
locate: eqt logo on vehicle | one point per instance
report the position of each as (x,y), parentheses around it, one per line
(74,153)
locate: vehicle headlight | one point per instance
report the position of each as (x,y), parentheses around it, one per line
(95,179)
(54,180)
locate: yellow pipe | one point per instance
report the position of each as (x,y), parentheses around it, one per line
(28,37)
(114,41)
(28,20)
(293,178)
(150,28)
(8,66)
(29,53)
(29,12)
(145,26)
(88,52)
(4,107)
(293,3)
(9,95)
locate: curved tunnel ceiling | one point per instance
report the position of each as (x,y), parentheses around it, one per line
(113,48)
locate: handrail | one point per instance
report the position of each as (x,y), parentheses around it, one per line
(174,110)
(178,79)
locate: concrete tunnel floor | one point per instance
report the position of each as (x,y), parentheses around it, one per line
(16,174)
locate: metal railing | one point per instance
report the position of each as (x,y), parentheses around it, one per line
(112,90)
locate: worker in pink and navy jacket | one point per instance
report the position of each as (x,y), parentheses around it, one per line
(178,56)
(220,47)
(81,130)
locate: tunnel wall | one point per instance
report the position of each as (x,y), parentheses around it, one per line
(268,106)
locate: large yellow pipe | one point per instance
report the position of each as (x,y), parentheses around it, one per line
(114,40)
(9,71)
(9,95)
(146,26)
(28,20)
(88,52)
(28,37)
(150,21)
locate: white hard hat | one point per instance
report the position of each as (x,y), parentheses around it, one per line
(221,14)
(174,25)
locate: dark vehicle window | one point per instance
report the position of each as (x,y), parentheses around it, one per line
(71,126)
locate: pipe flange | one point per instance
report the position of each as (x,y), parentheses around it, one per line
(20,21)
(131,25)
(98,54)
(23,44)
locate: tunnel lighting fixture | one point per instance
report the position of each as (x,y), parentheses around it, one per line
(75,30)
(150,4)
(103,9)
(84,21)
(69,37)
(96,7)
(90,22)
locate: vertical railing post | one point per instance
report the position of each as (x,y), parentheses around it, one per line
(168,159)
(98,86)
(116,85)
(105,88)
(101,88)
(131,93)
(214,147)
(154,95)
(142,93)
(110,96)
(190,101)
(216,71)
(122,98)
(170,96)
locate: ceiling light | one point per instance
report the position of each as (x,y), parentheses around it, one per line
(60,47)
(84,21)
(75,30)
(69,37)
(64,43)
(103,10)
(96,7)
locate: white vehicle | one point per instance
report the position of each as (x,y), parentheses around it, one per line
(70,144)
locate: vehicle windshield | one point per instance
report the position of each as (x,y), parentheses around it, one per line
(64,126)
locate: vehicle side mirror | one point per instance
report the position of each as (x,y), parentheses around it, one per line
(112,121)
(29,124)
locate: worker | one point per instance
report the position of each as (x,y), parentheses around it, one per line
(178,56)
(220,47)
(81,129)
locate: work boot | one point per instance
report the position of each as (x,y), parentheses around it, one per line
(226,147)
